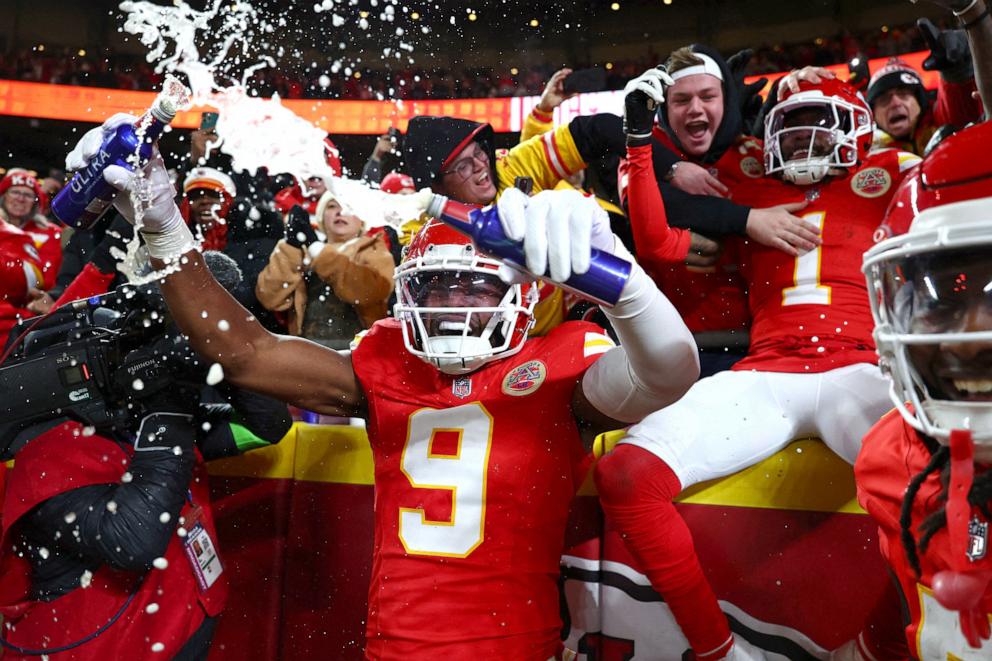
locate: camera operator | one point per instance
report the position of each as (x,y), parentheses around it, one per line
(109,547)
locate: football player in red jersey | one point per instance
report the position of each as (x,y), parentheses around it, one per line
(473,426)
(924,473)
(811,367)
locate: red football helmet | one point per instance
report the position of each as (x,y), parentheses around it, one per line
(456,312)
(397,182)
(822,127)
(931,290)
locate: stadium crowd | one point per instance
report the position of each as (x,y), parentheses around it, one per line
(100,68)
(745,322)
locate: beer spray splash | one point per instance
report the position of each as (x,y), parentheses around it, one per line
(255,132)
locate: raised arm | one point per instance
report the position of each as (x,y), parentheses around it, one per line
(291,369)
(294,370)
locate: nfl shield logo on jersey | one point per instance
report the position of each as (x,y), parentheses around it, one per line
(462,387)
(978,539)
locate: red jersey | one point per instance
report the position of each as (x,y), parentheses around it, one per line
(811,313)
(47,238)
(891,455)
(473,480)
(708,299)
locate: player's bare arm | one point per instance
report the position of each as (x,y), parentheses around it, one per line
(292,369)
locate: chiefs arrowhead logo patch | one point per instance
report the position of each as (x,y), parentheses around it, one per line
(525,379)
(871,182)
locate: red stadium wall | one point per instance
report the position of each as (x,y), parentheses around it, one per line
(791,556)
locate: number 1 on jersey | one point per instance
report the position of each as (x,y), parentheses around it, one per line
(807,288)
(462,471)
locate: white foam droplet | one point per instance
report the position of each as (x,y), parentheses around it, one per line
(164,517)
(158,647)
(215,374)
(160,563)
(151,608)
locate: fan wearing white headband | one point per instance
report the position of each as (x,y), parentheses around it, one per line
(810,370)
(698,156)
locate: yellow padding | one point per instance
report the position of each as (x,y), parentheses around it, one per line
(327,453)
(806,475)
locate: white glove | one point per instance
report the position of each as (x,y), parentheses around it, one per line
(558,230)
(89,144)
(162,225)
(652,82)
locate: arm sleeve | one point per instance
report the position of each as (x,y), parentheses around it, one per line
(657,243)
(89,282)
(560,153)
(278,280)
(536,123)
(954,104)
(372,172)
(663,158)
(131,533)
(713,216)
(240,420)
(656,362)
(266,418)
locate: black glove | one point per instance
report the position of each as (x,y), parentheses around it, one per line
(299,232)
(949,51)
(758,126)
(117,235)
(748,95)
(858,74)
(165,431)
(642,96)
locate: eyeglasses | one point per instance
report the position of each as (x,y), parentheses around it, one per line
(465,166)
(22,194)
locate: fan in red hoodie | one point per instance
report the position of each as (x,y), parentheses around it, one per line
(20,270)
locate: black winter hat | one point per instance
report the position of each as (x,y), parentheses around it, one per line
(431,142)
(896,73)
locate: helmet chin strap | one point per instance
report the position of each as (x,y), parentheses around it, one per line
(961,586)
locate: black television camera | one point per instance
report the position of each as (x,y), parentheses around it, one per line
(96,361)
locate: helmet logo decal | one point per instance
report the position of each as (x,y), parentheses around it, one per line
(909,79)
(461,387)
(525,379)
(871,182)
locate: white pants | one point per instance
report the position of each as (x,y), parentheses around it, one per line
(732,420)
